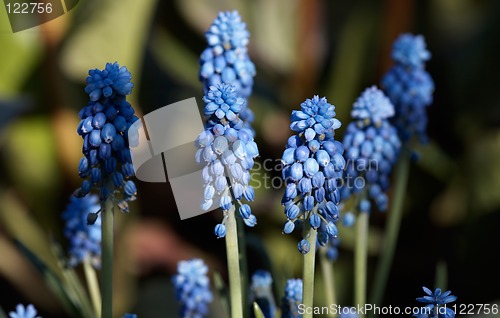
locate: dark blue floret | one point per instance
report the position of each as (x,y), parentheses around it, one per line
(436,302)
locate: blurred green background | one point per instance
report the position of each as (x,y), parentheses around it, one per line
(300,48)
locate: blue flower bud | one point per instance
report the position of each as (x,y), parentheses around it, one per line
(318,180)
(95,138)
(331,229)
(118,143)
(314,146)
(231,134)
(291,191)
(129,188)
(294,142)
(288,227)
(120,123)
(323,158)
(252,149)
(302,153)
(98,120)
(239,149)
(95,175)
(117,179)
(309,134)
(236,171)
(108,133)
(251,221)
(305,185)
(304,246)
(208,154)
(319,194)
(209,192)
(128,170)
(225,202)
(292,211)
(249,193)
(311,167)
(308,202)
(220,145)
(332,210)
(315,221)
(296,171)
(288,156)
(245,211)
(86,187)
(228,157)
(83,167)
(105,151)
(220,184)
(220,230)
(206,204)
(364,206)
(349,219)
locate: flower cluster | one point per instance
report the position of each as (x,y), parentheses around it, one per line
(226,60)
(372,148)
(227,151)
(192,288)
(261,292)
(104,127)
(409,86)
(435,301)
(24,312)
(292,299)
(84,239)
(312,167)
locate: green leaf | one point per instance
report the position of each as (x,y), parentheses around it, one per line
(257,311)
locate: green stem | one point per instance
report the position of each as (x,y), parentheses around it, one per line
(395,213)
(93,286)
(308,270)
(107,259)
(441,279)
(328,280)
(243,262)
(360,259)
(233,264)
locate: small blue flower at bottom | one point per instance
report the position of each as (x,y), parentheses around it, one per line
(24,312)
(348,312)
(435,301)
(192,288)
(292,299)
(262,292)
(130,316)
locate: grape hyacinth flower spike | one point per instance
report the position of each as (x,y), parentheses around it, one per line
(84,239)
(312,165)
(261,292)
(24,312)
(104,127)
(409,86)
(372,148)
(436,304)
(227,150)
(192,288)
(226,60)
(292,299)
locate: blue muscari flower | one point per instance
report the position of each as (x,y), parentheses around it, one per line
(24,312)
(292,299)
(129,316)
(226,149)
(261,292)
(436,302)
(332,250)
(372,148)
(372,106)
(312,163)
(192,288)
(226,59)
(409,87)
(348,312)
(84,239)
(104,127)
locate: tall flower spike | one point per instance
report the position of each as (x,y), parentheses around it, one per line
(104,127)
(372,148)
(436,302)
(227,150)
(24,312)
(84,239)
(261,292)
(192,288)
(409,86)
(226,60)
(292,299)
(312,165)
